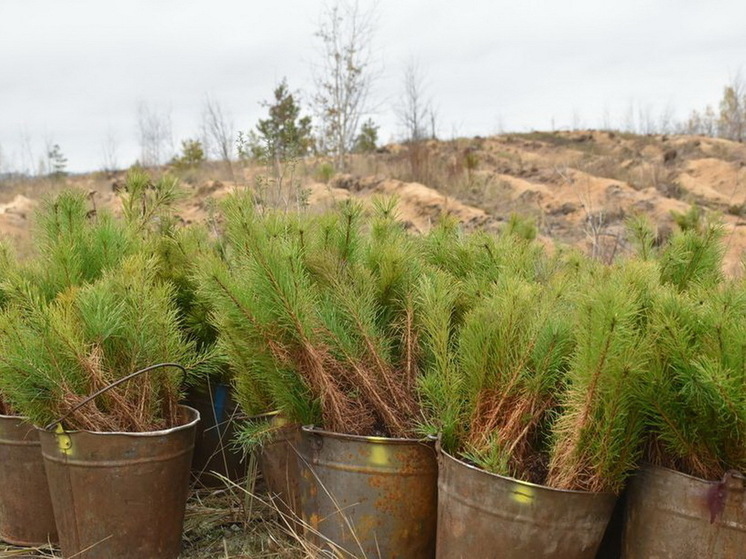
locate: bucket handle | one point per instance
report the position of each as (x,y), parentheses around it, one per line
(113,385)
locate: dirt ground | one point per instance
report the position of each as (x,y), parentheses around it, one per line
(224,524)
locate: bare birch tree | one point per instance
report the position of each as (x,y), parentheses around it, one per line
(414,109)
(109,148)
(218,130)
(155,135)
(344,78)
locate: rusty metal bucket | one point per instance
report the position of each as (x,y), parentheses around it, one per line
(215,455)
(280,469)
(120,495)
(369,496)
(26,516)
(673,515)
(481,514)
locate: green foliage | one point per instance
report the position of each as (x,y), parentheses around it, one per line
(693,394)
(471,161)
(643,235)
(178,252)
(145,202)
(495,341)
(513,350)
(324,172)
(441,384)
(76,245)
(55,353)
(314,314)
(367,138)
(691,220)
(521,226)
(693,257)
(597,437)
(192,155)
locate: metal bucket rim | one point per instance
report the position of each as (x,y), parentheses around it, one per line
(651,467)
(17,417)
(525,483)
(364,438)
(195,418)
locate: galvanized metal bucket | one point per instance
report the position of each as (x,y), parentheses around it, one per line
(481,514)
(674,515)
(369,496)
(215,455)
(120,495)
(26,515)
(280,469)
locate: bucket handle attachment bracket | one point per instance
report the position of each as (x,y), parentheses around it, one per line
(113,385)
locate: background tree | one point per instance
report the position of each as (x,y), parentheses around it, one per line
(218,131)
(733,110)
(56,161)
(344,77)
(154,133)
(284,134)
(192,155)
(415,111)
(109,151)
(367,139)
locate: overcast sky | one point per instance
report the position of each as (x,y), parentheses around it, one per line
(73,71)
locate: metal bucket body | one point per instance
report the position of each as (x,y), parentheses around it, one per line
(120,495)
(481,514)
(214,449)
(26,515)
(370,496)
(669,513)
(280,469)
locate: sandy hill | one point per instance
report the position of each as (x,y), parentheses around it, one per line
(579,187)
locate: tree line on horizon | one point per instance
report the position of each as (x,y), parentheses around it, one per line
(336,120)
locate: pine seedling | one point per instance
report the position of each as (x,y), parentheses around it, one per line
(513,350)
(366,308)
(76,245)
(179,251)
(146,201)
(441,385)
(643,235)
(55,353)
(693,257)
(324,302)
(273,302)
(693,397)
(597,436)
(262,382)
(8,266)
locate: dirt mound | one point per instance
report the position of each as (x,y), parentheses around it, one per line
(419,206)
(579,186)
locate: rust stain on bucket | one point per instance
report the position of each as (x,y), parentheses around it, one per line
(370,496)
